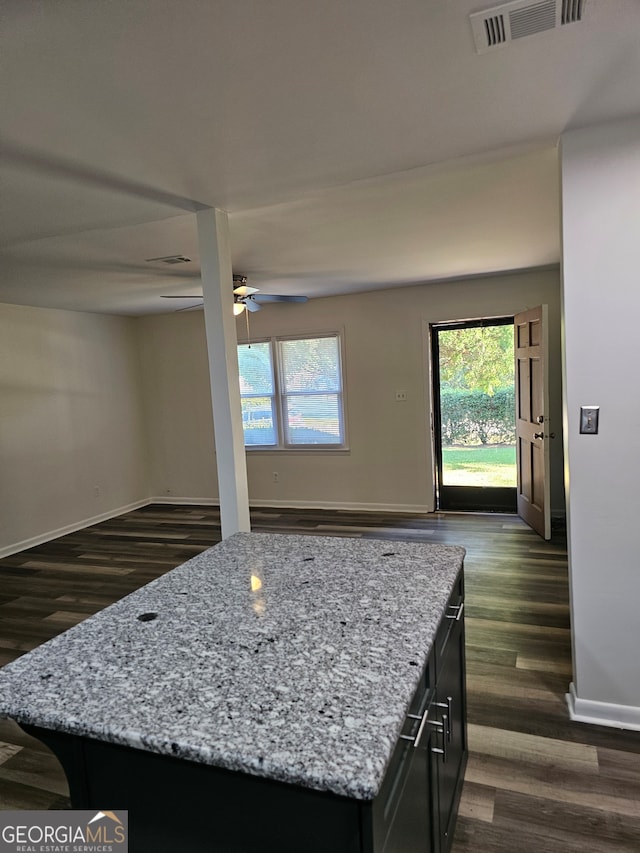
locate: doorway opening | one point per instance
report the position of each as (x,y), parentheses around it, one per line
(474,415)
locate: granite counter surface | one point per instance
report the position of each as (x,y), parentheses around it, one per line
(287,657)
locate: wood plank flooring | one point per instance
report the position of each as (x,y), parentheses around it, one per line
(535,781)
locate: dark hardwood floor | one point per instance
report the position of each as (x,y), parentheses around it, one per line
(535,781)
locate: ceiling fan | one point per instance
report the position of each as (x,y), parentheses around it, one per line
(244,297)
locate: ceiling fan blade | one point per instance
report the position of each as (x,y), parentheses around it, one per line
(250,305)
(272,297)
(178,296)
(244,290)
(188,308)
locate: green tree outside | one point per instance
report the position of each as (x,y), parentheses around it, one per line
(478,359)
(477,405)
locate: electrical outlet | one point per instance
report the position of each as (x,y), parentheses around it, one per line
(589,419)
(276,477)
(401,396)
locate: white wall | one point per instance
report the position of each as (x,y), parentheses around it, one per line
(177,401)
(70,421)
(601,293)
(388,464)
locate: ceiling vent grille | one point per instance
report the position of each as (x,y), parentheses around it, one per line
(495,30)
(533,19)
(572,11)
(521,18)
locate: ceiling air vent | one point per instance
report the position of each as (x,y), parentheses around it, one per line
(532,19)
(495,31)
(497,26)
(572,11)
(171,259)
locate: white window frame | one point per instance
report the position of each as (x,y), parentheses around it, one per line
(273,397)
(280,397)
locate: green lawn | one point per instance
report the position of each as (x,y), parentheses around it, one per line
(479,466)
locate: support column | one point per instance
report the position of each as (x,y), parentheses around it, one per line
(220,325)
(601,306)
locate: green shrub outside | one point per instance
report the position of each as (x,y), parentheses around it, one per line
(474,417)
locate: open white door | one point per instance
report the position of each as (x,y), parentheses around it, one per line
(532,410)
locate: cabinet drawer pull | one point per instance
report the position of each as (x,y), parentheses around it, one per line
(424,720)
(449,717)
(448,706)
(443,751)
(458,608)
(423,723)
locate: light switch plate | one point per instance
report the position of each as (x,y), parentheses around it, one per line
(589,419)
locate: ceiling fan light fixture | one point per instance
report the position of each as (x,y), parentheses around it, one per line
(170,259)
(245,298)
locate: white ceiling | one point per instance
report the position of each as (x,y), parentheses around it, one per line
(355,144)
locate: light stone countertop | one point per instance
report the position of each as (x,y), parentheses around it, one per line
(288,657)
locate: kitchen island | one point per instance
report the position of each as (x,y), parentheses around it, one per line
(275,693)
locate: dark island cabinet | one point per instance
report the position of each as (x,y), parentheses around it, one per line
(404,815)
(175,804)
(451,703)
(416,808)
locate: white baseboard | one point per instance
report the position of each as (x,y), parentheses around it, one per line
(170,499)
(602,713)
(69,528)
(341,506)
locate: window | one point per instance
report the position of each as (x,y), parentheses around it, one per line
(291,390)
(257,390)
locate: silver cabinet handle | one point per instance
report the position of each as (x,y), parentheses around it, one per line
(424,720)
(445,720)
(458,608)
(442,727)
(448,706)
(423,723)
(443,751)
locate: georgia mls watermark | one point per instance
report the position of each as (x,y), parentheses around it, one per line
(71,831)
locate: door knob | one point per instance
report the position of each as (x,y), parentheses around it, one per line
(540,419)
(538,435)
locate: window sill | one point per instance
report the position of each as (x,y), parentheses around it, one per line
(307,448)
